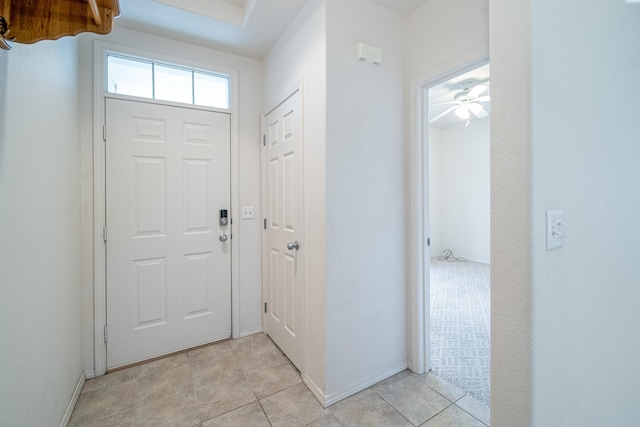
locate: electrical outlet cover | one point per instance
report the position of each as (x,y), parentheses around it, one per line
(247,212)
(555,230)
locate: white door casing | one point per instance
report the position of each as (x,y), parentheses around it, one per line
(417,162)
(168,274)
(283,197)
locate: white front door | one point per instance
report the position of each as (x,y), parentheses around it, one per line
(283,200)
(168,273)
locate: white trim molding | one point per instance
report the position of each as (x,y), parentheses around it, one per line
(74,399)
(250,331)
(361,385)
(330,399)
(315,389)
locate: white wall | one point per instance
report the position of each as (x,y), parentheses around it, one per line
(590,170)
(511,234)
(565,345)
(40,348)
(301,54)
(249,102)
(353,140)
(366,271)
(439,32)
(459,190)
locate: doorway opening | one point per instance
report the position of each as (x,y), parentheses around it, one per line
(458,208)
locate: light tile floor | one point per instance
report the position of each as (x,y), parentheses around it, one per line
(249,383)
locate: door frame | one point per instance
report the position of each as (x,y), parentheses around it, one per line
(100,50)
(417,161)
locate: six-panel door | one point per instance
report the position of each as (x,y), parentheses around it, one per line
(283,195)
(168,273)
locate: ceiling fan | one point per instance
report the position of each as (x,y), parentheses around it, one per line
(466,102)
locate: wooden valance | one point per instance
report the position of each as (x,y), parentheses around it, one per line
(29,21)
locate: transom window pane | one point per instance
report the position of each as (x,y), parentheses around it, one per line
(129,77)
(211,90)
(173,84)
(148,79)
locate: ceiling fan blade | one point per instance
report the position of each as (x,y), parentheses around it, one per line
(444,103)
(441,115)
(485,98)
(478,110)
(477,91)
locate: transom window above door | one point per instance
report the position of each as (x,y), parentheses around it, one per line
(149,79)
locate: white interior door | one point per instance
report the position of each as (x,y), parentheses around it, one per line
(283,199)
(168,273)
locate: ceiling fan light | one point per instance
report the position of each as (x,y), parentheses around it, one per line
(462,112)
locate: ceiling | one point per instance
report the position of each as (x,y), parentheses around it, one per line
(402,7)
(446,91)
(262,29)
(244,27)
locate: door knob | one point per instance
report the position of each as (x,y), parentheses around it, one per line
(293,245)
(222,237)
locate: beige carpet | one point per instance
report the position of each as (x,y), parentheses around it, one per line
(460,322)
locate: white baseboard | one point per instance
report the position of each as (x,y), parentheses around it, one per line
(317,392)
(72,402)
(361,385)
(91,373)
(250,331)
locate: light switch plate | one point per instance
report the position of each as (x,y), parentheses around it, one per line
(247,212)
(555,231)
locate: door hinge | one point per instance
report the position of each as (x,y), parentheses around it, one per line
(105,333)
(264,139)
(428,241)
(104,133)
(264,223)
(265,307)
(104,233)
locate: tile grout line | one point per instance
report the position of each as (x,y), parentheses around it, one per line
(439,412)
(401,414)
(462,409)
(265,413)
(258,400)
(242,406)
(189,363)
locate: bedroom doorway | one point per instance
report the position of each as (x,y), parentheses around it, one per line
(457,134)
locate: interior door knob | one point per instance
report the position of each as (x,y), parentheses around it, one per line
(222,237)
(293,245)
